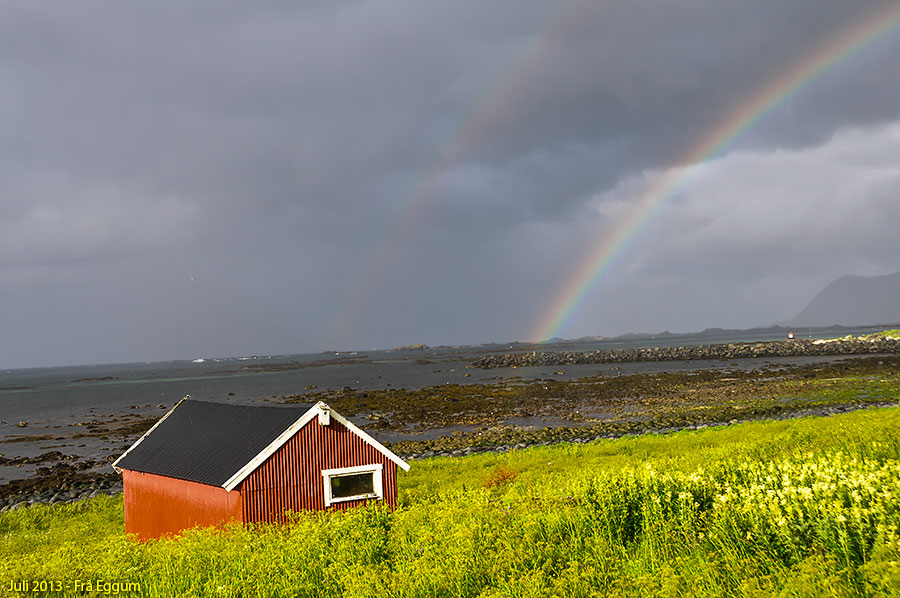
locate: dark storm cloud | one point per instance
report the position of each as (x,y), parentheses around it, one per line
(215,178)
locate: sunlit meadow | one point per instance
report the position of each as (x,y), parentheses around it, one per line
(795,508)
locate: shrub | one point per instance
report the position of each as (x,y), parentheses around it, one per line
(501,476)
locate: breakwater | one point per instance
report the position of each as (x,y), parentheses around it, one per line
(782,348)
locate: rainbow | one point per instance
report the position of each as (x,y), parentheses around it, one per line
(471,126)
(739,120)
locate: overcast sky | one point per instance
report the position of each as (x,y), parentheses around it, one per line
(182,180)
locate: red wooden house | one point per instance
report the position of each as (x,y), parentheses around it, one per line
(208,463)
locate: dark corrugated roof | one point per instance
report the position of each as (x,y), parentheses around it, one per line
(209,442)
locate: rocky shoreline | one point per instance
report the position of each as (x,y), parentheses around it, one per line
(111,484)
(66,493)
(783,348)
(512,413)
(586,435)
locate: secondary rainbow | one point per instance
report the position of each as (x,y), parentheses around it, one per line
(784,86)
(471,126)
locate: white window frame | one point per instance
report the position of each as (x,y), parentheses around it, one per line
(377,471)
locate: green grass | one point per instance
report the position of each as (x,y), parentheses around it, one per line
(895,333)
(803,507)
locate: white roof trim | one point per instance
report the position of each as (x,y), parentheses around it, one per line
(369,440)
(145,434)
(276,444)
(232,482)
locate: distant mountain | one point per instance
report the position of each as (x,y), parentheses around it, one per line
(854,301)
(639,336)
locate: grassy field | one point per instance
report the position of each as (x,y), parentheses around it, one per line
(805,507)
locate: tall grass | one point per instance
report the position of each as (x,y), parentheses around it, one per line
(794,508)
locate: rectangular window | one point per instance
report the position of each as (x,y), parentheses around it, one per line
(353,483)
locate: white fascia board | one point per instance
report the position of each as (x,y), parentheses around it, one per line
(267,452)
(368,439)
(147,433)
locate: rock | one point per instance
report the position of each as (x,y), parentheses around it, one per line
(22,424)
(731,351)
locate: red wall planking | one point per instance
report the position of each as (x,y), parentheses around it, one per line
(156,506)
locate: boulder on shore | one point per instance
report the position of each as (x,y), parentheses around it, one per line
(784,348)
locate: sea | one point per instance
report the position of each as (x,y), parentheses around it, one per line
(34,401)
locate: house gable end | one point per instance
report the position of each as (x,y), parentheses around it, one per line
(291,479)
(307,419)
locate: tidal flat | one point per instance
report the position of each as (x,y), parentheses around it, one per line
(512,409)
(458,419)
